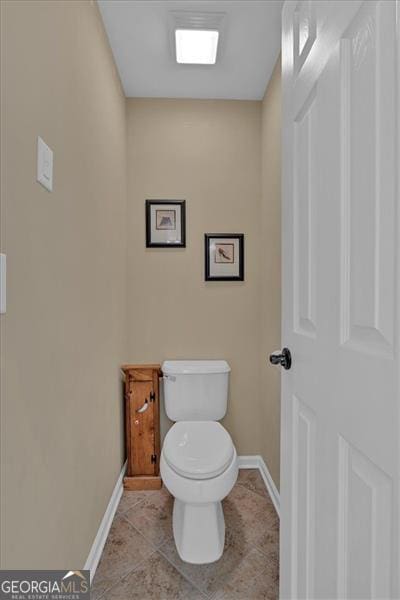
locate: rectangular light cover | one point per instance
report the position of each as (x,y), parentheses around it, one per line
(196,46)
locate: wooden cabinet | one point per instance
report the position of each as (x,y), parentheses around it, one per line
(142,426)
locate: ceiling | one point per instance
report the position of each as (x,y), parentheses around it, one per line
(141,38)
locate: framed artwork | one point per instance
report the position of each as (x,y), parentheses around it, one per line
(165,223)
(224,256)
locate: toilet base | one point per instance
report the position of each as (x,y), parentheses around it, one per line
(199,531)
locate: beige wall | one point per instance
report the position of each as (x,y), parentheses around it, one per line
(207,152)
(63,336)
(270,248)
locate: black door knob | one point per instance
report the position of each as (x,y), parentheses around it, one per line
(283,358)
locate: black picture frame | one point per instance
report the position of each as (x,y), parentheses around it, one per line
(162,203)
(208,237)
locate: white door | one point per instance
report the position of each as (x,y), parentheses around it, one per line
(341,264)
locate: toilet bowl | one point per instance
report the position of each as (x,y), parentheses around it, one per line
(199,467)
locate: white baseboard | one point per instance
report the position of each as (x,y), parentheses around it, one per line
(101,536)
(256,461)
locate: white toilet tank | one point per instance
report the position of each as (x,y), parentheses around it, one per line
(195,390)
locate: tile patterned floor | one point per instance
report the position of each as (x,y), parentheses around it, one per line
(140,561)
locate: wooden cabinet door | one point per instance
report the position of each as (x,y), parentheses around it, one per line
(141,426)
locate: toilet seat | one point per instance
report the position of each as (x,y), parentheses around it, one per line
(198,449)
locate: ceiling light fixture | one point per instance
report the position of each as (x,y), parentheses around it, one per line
(196,46)
(196,36)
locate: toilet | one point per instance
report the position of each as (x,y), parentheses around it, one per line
(198,463)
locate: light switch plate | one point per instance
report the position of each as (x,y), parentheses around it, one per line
(3,274)
(44,164)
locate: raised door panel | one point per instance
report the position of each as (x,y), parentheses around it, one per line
(304,32)
(368,115)
(304,218)
(142,429)
(156,419)
(303,500)
(365,525)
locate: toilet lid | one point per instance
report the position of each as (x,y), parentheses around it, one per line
(198,449)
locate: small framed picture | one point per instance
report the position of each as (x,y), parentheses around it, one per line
(165,223)
(224,256)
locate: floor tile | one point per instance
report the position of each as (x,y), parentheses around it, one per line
(247,498)
(140,559)
(255,579)
(129,499)
(241,509)
(154,579)
(267,535)
(153,517)
(209,578)
(251,516)
(252,480)
(125,548)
